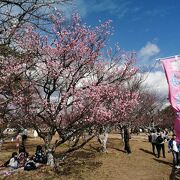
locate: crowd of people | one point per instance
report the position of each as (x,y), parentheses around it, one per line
(158,139)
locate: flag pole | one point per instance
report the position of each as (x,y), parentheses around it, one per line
(175,56)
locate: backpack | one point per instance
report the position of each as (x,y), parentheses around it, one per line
(30,166)
(159,140)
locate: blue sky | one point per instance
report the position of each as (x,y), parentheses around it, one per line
(150,27)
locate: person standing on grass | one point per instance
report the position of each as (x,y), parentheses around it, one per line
(165,139)
(24,136)
(18,139)
(153,140)
(172,145)
(160,144)
(126,140)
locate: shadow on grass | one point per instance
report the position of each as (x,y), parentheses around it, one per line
(114,141)
(77,163)
(115,144)
(111,144)
(175,174)
(119,150)
(146,151)
(94,148)
(163,162)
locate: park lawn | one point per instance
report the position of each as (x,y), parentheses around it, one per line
(88,164)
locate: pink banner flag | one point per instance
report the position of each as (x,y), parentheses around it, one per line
(172,71)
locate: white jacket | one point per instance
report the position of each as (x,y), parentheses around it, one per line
(175,148)
(13,163)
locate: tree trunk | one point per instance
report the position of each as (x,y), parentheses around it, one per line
(47,141)
(50,158)
(102,138)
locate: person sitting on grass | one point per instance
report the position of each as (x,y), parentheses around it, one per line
(12,162)
(40,156)
(30,165)
(22,157)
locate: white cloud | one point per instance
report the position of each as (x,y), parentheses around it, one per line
(148,51)
(156,81)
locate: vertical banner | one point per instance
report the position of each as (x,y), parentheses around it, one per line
(172,72)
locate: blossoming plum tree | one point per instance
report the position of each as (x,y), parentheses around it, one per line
(67,84)
(14,14)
